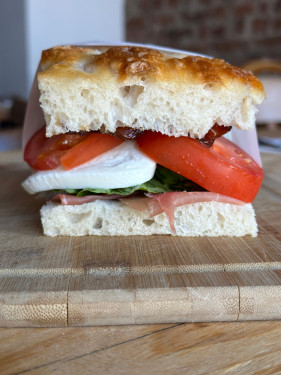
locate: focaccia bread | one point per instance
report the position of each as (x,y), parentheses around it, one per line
(92,88)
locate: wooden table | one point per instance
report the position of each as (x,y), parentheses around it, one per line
(198,348)
(178,348)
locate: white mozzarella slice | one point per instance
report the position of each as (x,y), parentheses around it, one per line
(120,167)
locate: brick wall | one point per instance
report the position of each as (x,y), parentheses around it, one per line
(238,30)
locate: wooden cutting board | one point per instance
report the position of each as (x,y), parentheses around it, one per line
(66,281)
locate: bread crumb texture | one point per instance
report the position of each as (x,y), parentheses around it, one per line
(112,218)
(84,88)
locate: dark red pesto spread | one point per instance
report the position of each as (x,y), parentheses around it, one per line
(129,134)
(126,133)
(215,132)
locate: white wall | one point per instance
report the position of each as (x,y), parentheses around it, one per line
(13,77)
(51,22)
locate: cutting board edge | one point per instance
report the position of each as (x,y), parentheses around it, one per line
(97,308)
(34,309)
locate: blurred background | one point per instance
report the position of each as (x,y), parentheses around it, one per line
(235,30)
(246,33)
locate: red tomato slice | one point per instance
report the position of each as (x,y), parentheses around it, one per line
(44,153)
(94,145)
(224,168)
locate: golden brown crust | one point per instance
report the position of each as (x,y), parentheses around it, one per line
(127,62)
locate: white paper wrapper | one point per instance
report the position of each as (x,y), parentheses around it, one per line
(34,118)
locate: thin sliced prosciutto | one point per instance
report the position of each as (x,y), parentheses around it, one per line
(156,204)
(67,199)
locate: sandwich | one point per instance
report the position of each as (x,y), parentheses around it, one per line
(134,143)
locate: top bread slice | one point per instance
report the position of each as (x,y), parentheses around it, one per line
(92,88)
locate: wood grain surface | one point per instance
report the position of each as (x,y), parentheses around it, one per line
(243,348)
(134,280)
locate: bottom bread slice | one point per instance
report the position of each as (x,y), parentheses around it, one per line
(112,218)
